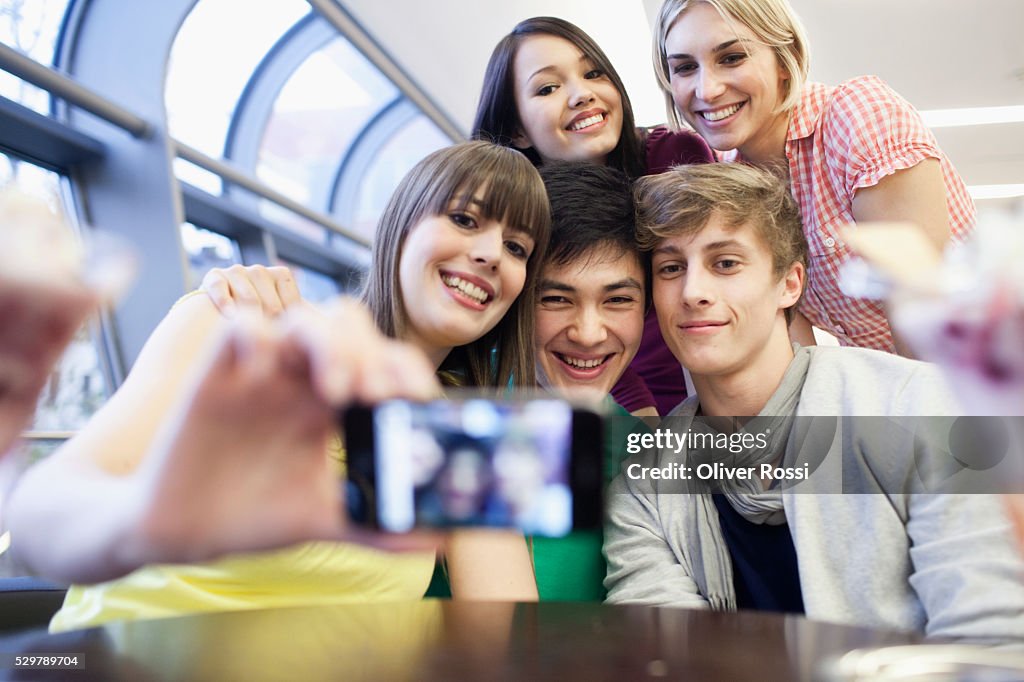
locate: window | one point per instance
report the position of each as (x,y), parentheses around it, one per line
(313,285)
(392,161)
(76,389)
(298,107)
(30,27)
(207,250)
(205,80)
(320,112)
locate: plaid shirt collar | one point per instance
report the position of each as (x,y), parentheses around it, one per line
(802,122)
(807,111)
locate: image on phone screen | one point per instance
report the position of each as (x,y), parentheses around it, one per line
(467,463)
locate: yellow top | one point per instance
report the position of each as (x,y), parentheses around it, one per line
(315,573)
(354,642)
(308,574)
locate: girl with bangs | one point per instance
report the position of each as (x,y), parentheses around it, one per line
(551,92)
(453,276)
(478,199)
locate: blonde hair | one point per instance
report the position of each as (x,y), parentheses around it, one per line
(773,23)
(513,193)
(683,199)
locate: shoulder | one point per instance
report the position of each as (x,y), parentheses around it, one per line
(863,89)
(866,84)
(863,381)
(866,131)
(860,99)
(664,148)
(848,361)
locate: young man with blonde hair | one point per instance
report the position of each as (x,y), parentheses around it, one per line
(729,262)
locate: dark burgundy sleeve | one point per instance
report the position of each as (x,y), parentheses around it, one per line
(654,362)
(665,149)
(631,392)
(658,368)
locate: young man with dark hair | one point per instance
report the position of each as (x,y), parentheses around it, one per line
(594,206)
(728,261)
(591,301)
(592,293)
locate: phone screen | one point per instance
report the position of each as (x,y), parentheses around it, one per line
(469,462)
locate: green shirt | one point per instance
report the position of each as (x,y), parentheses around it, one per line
(572,568)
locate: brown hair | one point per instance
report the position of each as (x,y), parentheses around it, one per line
(773,23)
(513,193)
(497,117)
(683,199)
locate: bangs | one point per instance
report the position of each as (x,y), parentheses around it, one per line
(503,183)
(521,205)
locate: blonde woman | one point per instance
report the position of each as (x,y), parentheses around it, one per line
(736,72)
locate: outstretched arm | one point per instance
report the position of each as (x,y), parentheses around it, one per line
(483,564)
(216,443)
(915,195)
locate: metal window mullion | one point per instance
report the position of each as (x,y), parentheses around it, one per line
(58,84)
(350,28)
(253,232)
(232,174)
(363,151)
(44,141)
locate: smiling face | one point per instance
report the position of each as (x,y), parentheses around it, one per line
(459,273)
(590,318)
(720,305)
(726,85)
(569,109)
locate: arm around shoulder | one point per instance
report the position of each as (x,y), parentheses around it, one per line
(888,160)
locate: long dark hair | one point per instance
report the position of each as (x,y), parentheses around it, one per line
(497,118)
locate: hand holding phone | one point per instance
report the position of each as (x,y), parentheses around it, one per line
(534,465)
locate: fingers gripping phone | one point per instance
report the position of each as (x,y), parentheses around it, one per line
(534,465)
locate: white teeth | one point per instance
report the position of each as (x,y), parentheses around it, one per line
(468,288)
(721,113)
(589,121)
(582,364)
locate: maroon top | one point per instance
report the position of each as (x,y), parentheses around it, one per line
(665,149)
(655,377)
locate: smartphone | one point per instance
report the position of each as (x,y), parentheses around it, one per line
(532,464)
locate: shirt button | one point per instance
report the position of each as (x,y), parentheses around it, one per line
(839,329)
(829,242)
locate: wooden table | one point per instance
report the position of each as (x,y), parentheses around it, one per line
(442,640)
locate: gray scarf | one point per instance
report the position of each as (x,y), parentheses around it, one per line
(705,554)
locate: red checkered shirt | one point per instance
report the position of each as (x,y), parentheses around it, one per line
(841,139)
